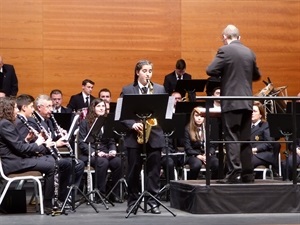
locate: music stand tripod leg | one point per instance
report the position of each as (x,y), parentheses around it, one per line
(121,180)
(72,190)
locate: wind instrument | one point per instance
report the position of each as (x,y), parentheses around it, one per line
(53,149)
(149,122)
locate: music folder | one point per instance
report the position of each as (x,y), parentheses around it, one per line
(64,120)
(196,85)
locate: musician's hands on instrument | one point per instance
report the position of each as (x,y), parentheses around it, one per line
(102,154)
(137,127)
(112,153)
(40,139)
(30,136)
(49,143)
(61,142)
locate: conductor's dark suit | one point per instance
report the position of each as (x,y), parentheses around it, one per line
(154,146)
(77,102)
(264,155)
(236,65)
(10,80)
(171,81)
(18,156)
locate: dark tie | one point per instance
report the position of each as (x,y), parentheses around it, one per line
(253,125)
(87,101)
(144,90)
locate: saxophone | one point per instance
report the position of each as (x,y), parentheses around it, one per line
(149,122)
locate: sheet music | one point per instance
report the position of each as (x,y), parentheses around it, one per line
(118,109)
(170,106)
(74,123)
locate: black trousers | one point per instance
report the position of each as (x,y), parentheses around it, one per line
(46,165)
(65,175)
(152,175)
(237,127)
(103,164)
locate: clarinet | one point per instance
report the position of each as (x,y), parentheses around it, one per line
(56,155)
(53,149)
(30,129)
(58,132)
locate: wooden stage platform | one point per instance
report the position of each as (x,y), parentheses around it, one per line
(262,196)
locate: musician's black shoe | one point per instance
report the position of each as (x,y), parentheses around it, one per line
(48,210)
(154,209)
(235,180)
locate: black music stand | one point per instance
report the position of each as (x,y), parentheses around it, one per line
(191,87)
(93,137)
(134,107)
(73,187)
(281,125)
(112,129)
(173,128)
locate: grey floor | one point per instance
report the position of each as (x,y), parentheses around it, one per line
(85,215)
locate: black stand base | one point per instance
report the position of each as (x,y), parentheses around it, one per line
(146,195)
(103,199)
(66,202)
(123,185)
(165,190)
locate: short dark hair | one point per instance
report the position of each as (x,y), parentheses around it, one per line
(24,99)
(180,64)
(104,90)
(55,91)
(84,82)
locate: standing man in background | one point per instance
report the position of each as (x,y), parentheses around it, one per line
(236,65)
(84,98)
(8,79)
(178,74)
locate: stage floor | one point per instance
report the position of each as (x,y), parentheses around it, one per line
(262,196)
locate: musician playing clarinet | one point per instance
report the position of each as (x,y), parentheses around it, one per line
(43,124)
(104,147)
(18,155)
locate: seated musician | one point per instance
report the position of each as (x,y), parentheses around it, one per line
(43,124)
(18,156)
(194,145)
(104,151)
(262,152)
(174,161)
(289,174)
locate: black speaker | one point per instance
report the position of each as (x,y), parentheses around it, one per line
(14,202)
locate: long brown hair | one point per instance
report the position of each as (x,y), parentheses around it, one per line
(7,108)
(193,128)
(91,115)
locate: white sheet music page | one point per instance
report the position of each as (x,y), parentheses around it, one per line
(118,109)
(170,106)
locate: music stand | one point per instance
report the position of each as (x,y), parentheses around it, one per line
(64,119)
(191,86)
(111,129)
(92,137)
(172,128)
(134,107)
(281,125)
